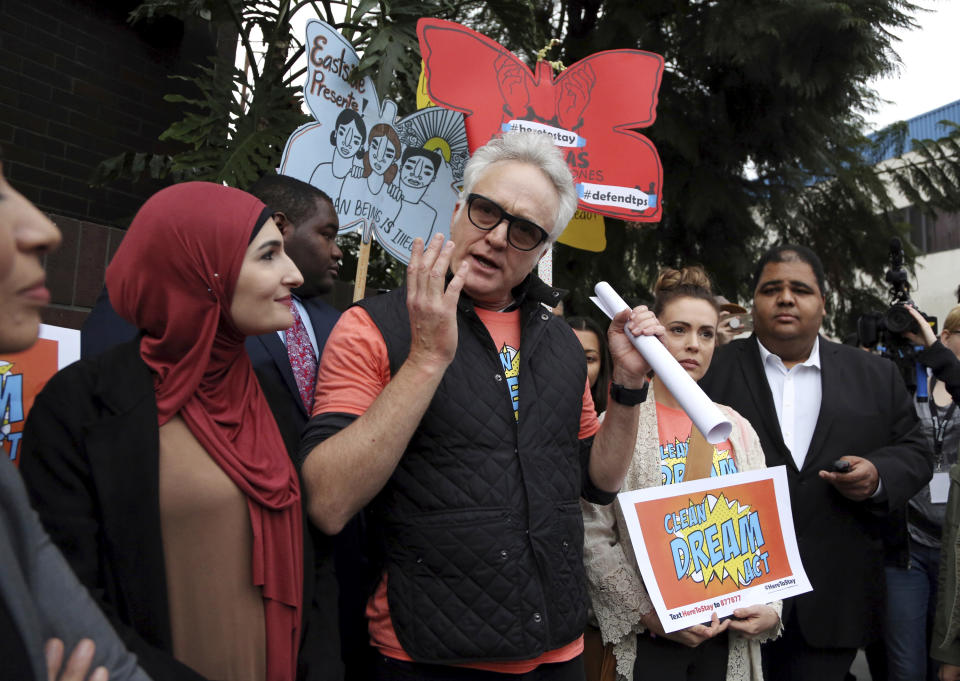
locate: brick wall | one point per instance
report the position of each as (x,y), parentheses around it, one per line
(75,271)
(78,85)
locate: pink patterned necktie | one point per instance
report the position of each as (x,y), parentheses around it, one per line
(302,360)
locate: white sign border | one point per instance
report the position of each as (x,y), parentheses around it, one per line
(702,611)
(68,343)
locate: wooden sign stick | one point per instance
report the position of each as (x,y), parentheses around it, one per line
(363,260)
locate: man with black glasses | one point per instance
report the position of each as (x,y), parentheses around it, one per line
(457,410)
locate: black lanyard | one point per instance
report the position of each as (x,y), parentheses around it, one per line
(939,426)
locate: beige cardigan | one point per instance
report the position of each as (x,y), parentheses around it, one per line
(616,589)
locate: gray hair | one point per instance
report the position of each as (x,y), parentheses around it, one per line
(539,151)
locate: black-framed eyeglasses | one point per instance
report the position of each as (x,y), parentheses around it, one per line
(522,234)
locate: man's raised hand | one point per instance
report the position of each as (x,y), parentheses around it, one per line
(432,304)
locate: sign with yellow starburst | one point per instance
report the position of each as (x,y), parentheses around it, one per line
(23,375)
(715,545)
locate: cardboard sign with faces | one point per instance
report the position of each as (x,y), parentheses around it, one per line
(393,178)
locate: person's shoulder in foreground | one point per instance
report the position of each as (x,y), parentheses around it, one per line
(45,614)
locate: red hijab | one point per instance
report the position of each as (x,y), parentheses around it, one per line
(173,277)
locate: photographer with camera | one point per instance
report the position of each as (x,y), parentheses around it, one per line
(912,581)
(927,514)
(931,371)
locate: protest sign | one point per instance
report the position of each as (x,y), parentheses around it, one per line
(395,179)
(23,375)
(591,111)
(714,545)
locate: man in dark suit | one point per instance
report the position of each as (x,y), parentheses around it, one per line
(308,222)
(814,403)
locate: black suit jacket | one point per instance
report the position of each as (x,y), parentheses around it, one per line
(320,652)
(321,648)
(272,365)
(865,411)
(91,463)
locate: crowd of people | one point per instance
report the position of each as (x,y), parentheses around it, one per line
(240,483)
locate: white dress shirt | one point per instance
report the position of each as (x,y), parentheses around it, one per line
(306,322)
(797,393)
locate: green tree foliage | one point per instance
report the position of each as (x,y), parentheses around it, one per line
(759,123)
(759,128)
(235,127)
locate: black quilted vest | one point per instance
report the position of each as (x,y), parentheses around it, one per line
(480,522)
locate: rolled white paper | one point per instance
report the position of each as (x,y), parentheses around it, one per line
(692,399)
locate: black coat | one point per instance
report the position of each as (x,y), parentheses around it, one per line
(865,411)
(91,462)
(272,365)
(104,328)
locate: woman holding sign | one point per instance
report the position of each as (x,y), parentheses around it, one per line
(730,649)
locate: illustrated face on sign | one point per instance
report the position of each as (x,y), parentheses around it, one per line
(382,154)
(349,139)
(417,171)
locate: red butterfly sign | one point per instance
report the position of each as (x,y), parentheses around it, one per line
(591,110)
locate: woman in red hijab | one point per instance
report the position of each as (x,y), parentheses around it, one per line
(157,467)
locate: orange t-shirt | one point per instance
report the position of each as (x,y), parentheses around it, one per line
(354,369)
(673,426)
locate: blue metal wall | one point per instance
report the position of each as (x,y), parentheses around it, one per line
(923,127)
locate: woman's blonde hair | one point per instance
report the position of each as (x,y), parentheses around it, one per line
(952,321)
(687,282)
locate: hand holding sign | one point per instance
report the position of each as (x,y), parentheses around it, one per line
(753,619)
(692,636)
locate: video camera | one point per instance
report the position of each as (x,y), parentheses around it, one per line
(884,331)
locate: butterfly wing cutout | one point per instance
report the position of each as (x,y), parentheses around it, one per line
(591,110)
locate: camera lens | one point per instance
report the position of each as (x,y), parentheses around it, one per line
(898,320)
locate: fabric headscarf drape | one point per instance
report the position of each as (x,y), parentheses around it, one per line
(173,277)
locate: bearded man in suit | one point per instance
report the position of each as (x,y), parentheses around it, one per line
(814,403)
